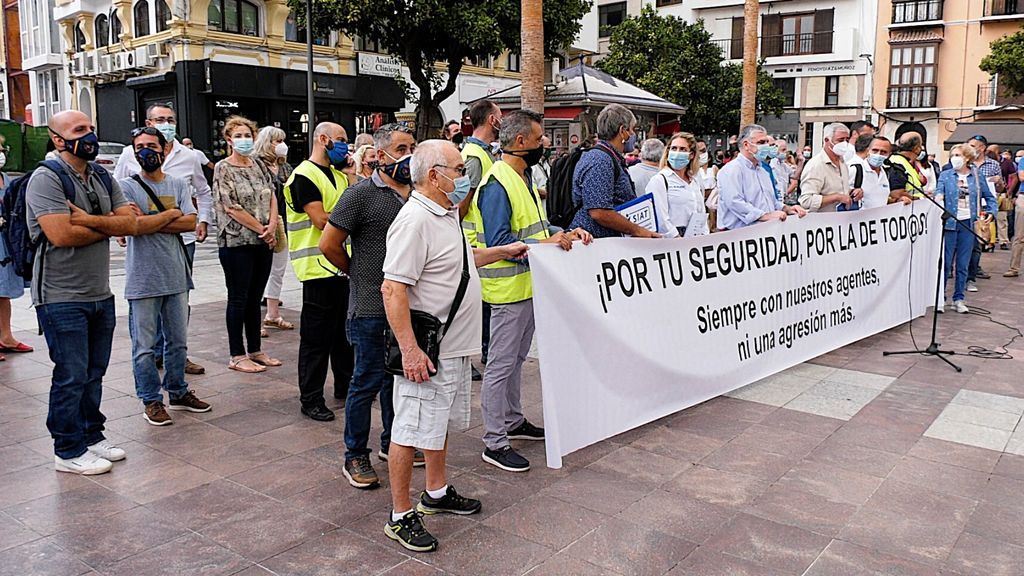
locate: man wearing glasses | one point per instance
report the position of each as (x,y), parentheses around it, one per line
(364,214)
(180,162)
(72,212)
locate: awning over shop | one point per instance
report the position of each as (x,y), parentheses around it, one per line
(585,86)
(1004,133)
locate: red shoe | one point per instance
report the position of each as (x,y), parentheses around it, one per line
(20,347)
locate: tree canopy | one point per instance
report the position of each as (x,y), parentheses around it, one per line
(426,32)
(679,62)
(1005,58)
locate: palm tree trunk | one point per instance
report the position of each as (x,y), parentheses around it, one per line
(532,55)
(749,102)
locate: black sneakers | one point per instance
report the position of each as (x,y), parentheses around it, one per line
(318,412)
(526,431)
(507,459)
(410,533)
(451,503)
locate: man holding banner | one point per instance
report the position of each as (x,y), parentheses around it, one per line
(746,194)
(506,210)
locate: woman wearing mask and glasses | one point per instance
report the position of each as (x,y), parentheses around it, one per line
(678,191)
(243,193)
(960,189)
(272,150)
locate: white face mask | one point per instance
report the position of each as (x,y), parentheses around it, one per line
(957,162)
(3,160)
(842,149)
(281,149)
(704,158)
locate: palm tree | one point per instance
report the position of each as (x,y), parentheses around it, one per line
(532,56)
(748,105)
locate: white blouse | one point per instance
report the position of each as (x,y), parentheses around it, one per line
(676,201)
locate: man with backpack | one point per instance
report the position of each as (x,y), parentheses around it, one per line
(72,209)
(600,181)
(158,279)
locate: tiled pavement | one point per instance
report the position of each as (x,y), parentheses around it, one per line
(851,464)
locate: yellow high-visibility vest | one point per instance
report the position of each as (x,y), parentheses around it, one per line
(303,237)
(505,282)
(474,150)
(912,175)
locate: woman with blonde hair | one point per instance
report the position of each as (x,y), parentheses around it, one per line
(364,160)
(677,189)
(243,195)
(272,150)
(961,189)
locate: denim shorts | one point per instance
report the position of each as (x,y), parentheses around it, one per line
(423,411)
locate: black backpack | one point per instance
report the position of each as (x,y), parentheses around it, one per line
(561,207)
(15,233)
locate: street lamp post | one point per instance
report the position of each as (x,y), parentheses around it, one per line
(310,105)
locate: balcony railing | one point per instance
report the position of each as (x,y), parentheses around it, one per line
(990,94)
(796,44)
(1004,8)
(908,97)
(909,12)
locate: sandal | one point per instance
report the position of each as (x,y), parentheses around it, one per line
(262,359)
(279,323)
(18,348)
(245,364)
(264,333)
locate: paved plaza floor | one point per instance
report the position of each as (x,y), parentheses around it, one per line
(849,464)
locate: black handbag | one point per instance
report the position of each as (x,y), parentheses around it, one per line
(427,328)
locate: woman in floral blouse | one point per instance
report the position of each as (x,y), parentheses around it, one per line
(243,192)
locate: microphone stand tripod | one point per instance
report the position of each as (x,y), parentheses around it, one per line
(933,346)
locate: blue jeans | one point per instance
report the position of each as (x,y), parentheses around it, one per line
(366,334)
(958,246)
(148,319)
(79,336)
(158,346)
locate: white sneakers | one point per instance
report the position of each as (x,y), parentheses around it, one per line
(961,307)
(104,449)
(97,459)
(87,464)
(971,286)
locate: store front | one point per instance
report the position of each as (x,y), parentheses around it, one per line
(206,93)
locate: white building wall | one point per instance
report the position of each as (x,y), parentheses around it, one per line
(42,58)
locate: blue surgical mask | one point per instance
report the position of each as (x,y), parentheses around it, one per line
(876,160)
(169,130)
(461,190)
(677,160)
(243,146)
(775,152)
(629,145)
(764,152)
(337,153)
(399,169)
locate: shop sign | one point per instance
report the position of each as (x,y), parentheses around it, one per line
(378,65)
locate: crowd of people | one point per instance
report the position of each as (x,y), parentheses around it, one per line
(413,259)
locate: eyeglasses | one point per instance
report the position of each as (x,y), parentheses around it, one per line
(163,120)
(461,171)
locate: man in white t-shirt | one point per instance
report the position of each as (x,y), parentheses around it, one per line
(427,256)
(870,152)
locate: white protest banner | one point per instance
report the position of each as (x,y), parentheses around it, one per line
(645,328)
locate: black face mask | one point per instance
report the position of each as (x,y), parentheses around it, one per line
(457,138)
(86,147)
(531,157)
(149,160)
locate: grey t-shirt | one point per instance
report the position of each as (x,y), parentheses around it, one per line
(79,274)
(641,174)
(156,264)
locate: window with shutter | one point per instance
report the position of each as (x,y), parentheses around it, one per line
(771,35)
(823,24)
(736,43)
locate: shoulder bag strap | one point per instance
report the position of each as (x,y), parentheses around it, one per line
(460,293)
(160,206)
(858,177)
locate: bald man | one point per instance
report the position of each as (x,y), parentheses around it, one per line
(78,207)
(310,194)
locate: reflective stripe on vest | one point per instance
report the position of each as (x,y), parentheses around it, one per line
(506,282)
(303,237)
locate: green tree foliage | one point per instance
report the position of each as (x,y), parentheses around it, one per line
(1005,60)
(678,61)
(426,32)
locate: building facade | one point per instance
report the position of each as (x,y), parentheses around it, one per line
(214,58)
(818,53)
(42,58)
(927,70)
